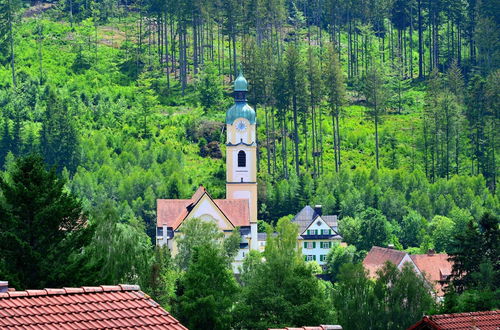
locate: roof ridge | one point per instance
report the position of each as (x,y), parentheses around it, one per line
(70,290)
(465,314)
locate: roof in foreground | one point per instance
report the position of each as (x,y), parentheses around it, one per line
(489,320)
(102,307)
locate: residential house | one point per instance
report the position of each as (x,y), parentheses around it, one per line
(102,307)
(378,256)
(239,209)
(317,232)
(489,320)
(436,267)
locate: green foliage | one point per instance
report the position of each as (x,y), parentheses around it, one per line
(121,248)
(474,248)
(396,299)
(442,229)
(281,290)
(196,233)
(163,277)
(338,256)
(474,253)
(207,291)
(370,229)
(59,141)
(43,230)
(210,88)
(413,228)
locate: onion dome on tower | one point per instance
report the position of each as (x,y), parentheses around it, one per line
(240,109)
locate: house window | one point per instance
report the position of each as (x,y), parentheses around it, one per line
(326,245)
(322,257)
(310,257)
(312,232)
(242,159)
(326,231)
(309,245)
(159,231)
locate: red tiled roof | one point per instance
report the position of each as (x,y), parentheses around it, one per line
(236,210)
(171,212)
(476,320)
(118,307)
(436,267)
(378,256)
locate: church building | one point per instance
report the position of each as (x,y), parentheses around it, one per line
(239,209)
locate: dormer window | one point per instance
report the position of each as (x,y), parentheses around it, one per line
(242,159)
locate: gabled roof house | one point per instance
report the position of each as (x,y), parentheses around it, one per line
(435,267)
(378,256)
(228,214)
(317,232)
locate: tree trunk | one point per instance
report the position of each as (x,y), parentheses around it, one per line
(420,41)
(296,133)
(335,143)
(338,139)
(268,145)
(376,140)
(11,37)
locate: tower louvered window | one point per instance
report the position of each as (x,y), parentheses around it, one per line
(242,159)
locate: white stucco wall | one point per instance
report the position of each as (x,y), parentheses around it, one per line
(318,251)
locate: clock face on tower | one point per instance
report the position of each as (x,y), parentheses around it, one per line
(241,126)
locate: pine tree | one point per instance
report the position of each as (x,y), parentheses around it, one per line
(59,139)
(295,84)
(335,85)
(377,94)
(43,229)
(207,291)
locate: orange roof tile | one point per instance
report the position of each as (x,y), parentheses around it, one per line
(476,320)
(236,210)
(436,267)
(171,212)
(378,256)
(118,307)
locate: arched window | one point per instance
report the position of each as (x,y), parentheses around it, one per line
(242,159)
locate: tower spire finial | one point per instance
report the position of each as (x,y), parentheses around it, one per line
(240,83)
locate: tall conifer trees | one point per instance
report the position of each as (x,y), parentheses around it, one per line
(335,87)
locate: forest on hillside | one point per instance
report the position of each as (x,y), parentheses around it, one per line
(383,111)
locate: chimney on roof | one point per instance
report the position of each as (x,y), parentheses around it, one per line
(431,252)
(4,286)
(390,246)
(318,209)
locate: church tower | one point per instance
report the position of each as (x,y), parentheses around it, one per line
(241,153)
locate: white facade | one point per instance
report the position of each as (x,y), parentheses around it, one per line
(316,241)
